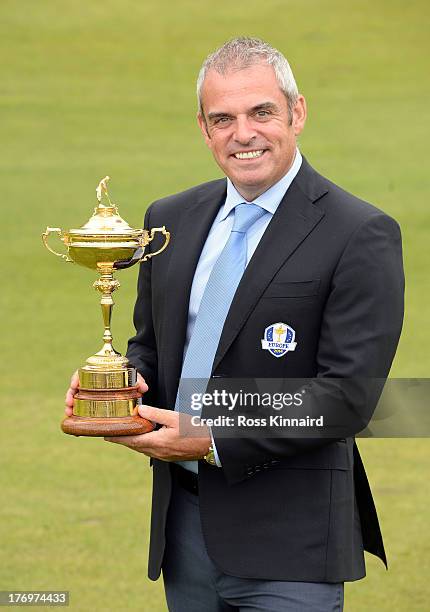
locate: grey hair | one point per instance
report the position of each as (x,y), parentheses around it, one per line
(243,52)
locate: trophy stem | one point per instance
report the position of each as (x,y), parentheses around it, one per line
(106,284)
(106,304)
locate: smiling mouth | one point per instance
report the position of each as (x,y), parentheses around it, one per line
(249,154)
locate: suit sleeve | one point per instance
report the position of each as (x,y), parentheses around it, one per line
(142,348)
(359,333)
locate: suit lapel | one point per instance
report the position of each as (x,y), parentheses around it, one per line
(191,234)
(294,219)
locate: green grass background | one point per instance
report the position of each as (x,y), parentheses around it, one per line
(107,87)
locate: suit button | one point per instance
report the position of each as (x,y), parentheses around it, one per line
(266,465)
(250,471)
(274,462)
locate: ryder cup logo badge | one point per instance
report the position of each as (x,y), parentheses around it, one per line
(279,339)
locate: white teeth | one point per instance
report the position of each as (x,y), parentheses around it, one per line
(249,154)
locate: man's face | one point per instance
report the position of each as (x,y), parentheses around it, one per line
(246,125)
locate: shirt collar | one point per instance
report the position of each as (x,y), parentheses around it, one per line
(270,199)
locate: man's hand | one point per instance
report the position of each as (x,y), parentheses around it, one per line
(74,388)
(167,443)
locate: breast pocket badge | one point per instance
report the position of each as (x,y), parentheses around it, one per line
(279,338)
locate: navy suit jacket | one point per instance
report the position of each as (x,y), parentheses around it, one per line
(329,265)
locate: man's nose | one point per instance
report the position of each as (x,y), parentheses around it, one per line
(244,131)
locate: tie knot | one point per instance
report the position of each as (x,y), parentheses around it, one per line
(246,215)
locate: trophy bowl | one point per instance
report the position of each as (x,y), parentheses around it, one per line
(106,403)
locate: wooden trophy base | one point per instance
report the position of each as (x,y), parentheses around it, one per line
(106,426)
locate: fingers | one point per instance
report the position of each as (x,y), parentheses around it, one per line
(137,443)
(125,440)
(74,382)
(71,392)
(158,415)
(69,398)
(141,384)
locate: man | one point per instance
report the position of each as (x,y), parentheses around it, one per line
(272,523)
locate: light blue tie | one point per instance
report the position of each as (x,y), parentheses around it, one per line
(214,306)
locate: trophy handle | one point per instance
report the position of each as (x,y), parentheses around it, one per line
(58,231)
(151,237)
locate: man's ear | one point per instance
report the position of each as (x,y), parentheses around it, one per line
(201,120)
(299,115)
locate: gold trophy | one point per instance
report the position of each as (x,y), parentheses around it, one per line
(106,403)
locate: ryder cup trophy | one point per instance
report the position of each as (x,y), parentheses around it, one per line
(107,399)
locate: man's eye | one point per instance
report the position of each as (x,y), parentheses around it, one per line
(222,120)
(263,113)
